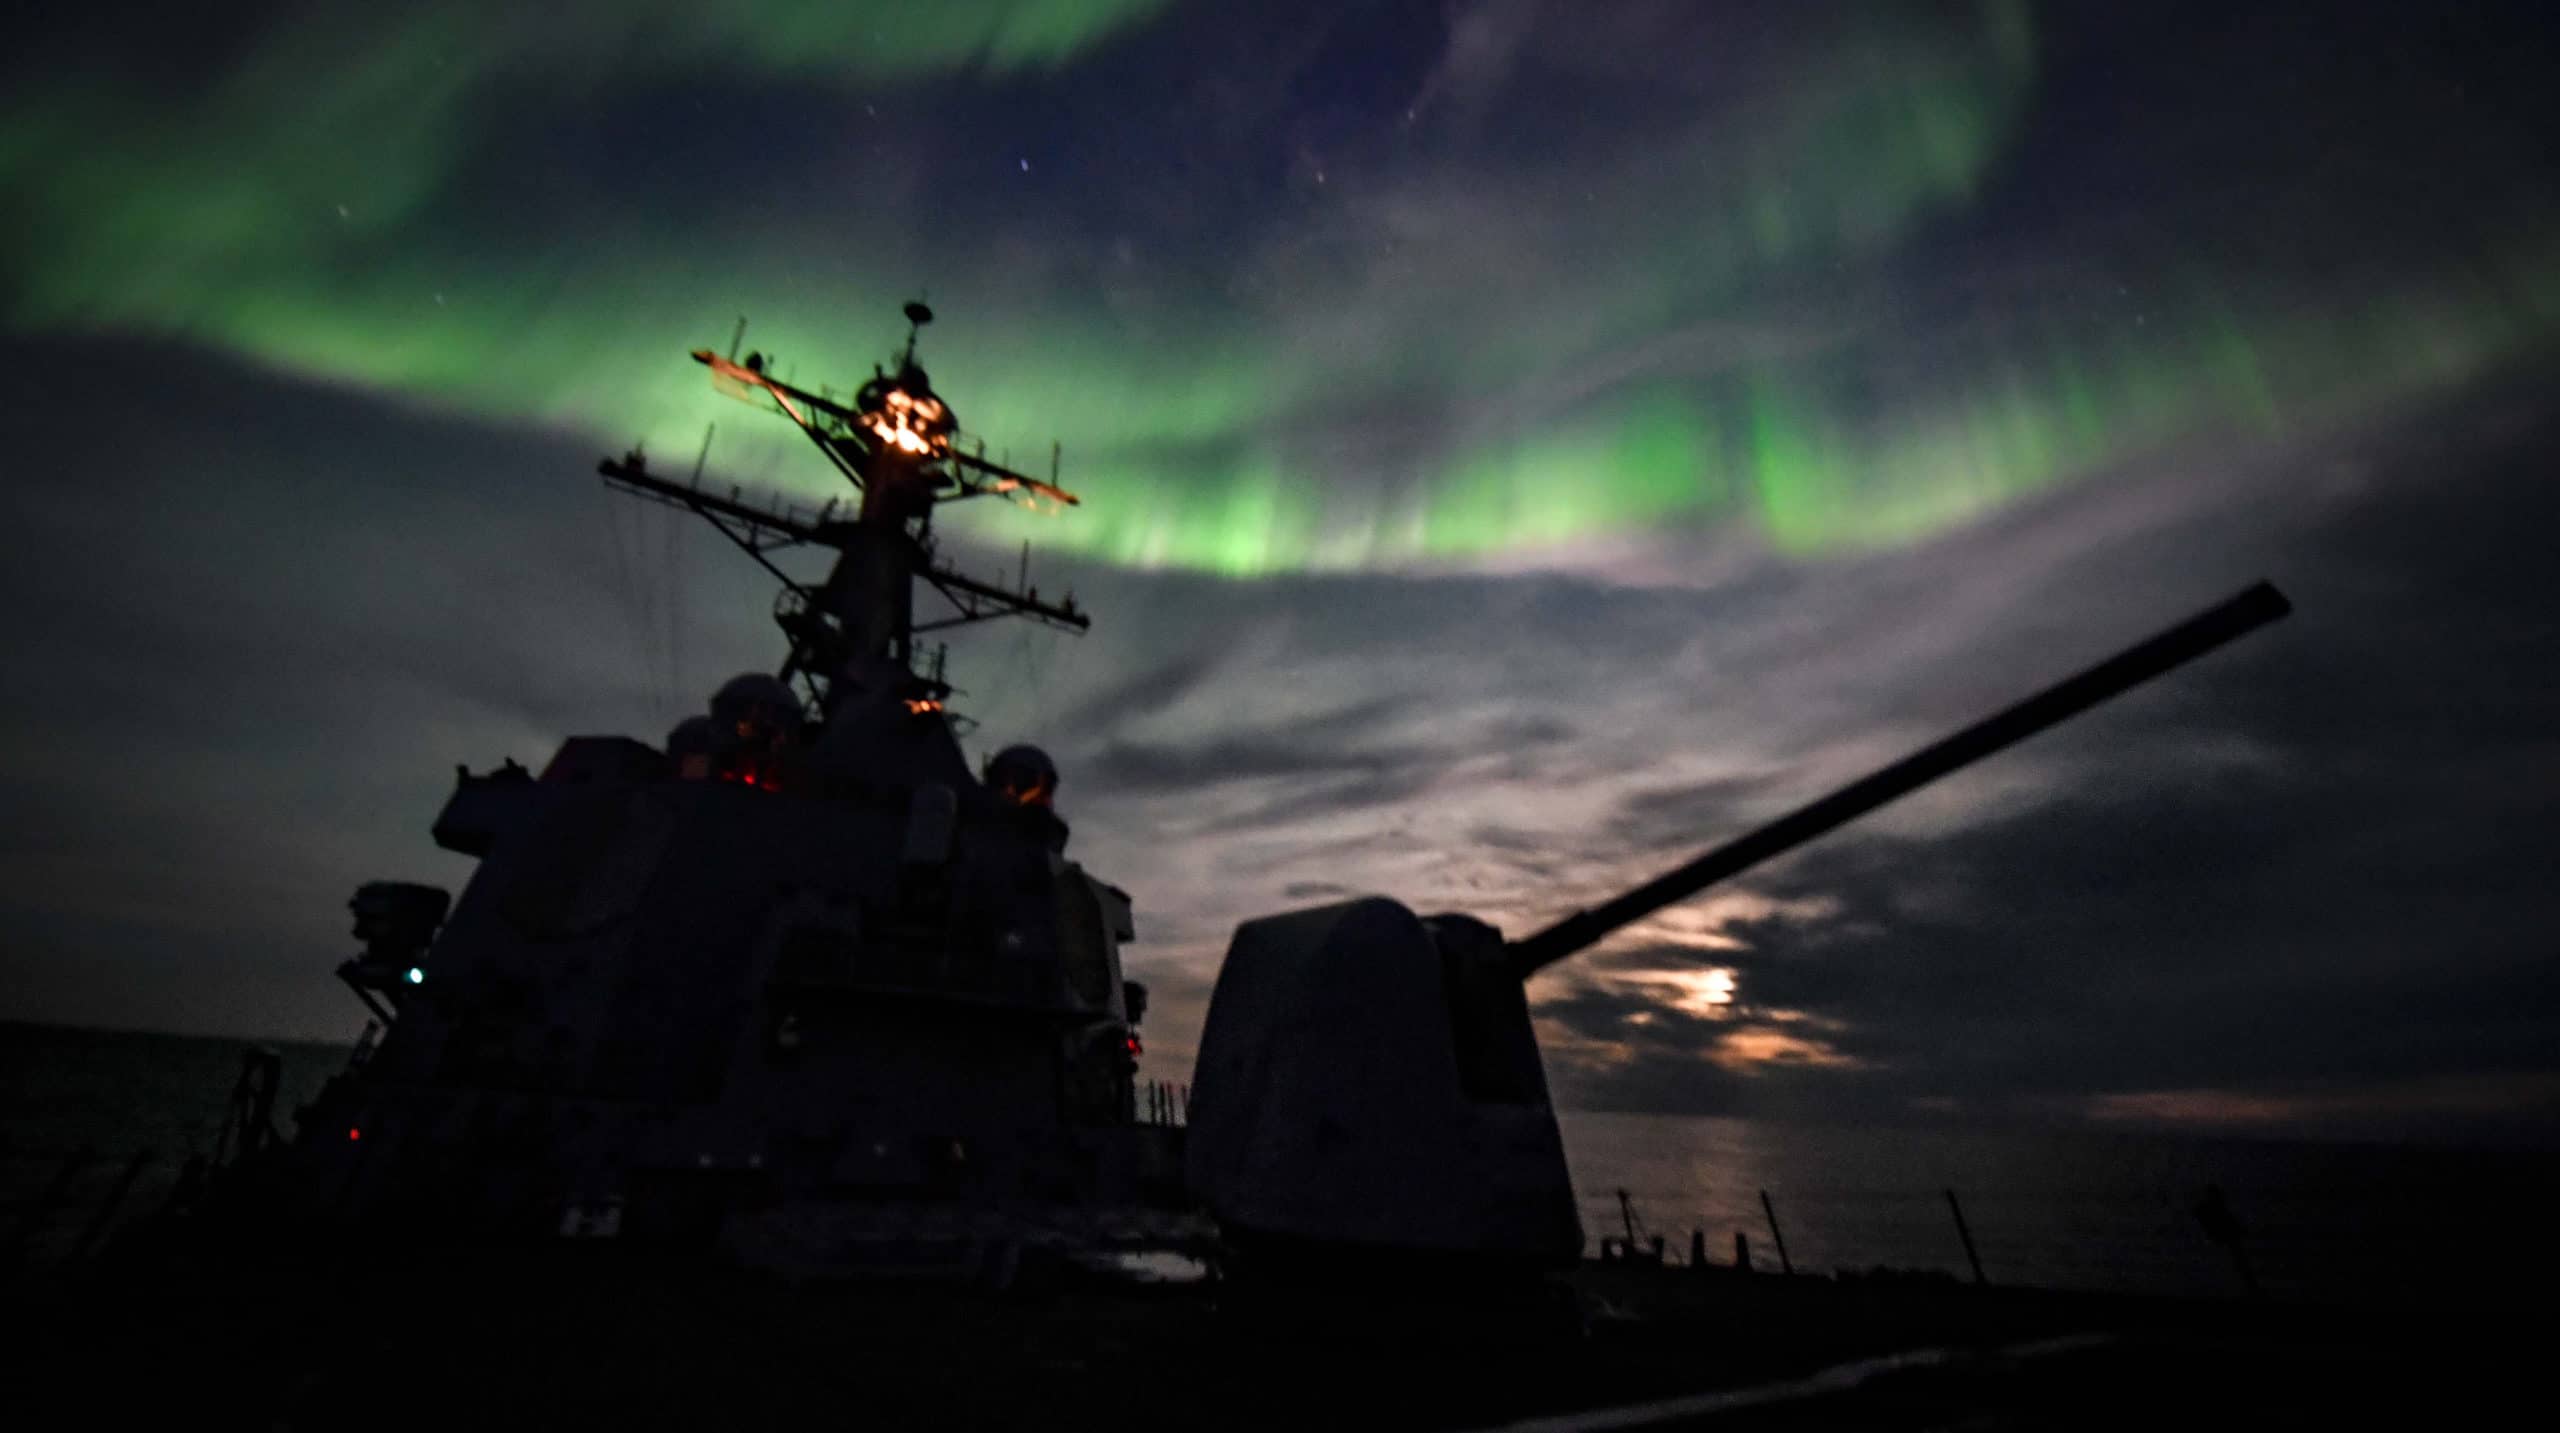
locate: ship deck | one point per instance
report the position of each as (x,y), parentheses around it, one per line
(598,1337)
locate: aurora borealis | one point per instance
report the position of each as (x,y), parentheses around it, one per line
(1522,409)
(528,220)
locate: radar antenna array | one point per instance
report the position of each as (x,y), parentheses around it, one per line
(897,442)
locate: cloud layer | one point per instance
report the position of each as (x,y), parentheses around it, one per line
(1523,444)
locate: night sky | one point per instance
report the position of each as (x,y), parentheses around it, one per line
(1522,442)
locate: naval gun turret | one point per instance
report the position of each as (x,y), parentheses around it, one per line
(1369,1083)
(797,957)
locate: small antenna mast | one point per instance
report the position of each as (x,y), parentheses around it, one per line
(894,438)
(917,317)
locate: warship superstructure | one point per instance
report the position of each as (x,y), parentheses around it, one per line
(798,957)
(798,985)
(799,981)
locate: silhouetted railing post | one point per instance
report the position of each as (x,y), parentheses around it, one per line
(40,1213)
(2224,1228)
(1785,1265)
(1967,1236)
(105,1218)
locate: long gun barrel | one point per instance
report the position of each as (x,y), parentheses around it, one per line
(2060,702)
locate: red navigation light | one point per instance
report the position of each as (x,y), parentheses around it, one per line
(354,1134)
(1135,1049)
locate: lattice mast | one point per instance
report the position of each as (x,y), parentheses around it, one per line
(898,442)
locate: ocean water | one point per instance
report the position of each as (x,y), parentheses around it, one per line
(2325,1223)
(2352,1224)
(78,1107)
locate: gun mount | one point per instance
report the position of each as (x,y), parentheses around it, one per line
(1369,1080)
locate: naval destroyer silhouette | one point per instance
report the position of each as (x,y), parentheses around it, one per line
(800,984)
(798,990)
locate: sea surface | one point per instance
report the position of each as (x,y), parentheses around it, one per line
(84,1112)
(2352,1224)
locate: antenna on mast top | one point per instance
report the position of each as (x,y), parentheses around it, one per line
(917,317)
(900,446)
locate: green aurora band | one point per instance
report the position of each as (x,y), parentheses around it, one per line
(315,226)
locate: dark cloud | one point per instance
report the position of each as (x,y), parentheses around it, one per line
(265,589)
(1322,744)
(1143,694)
(253,637)
(2320,872)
